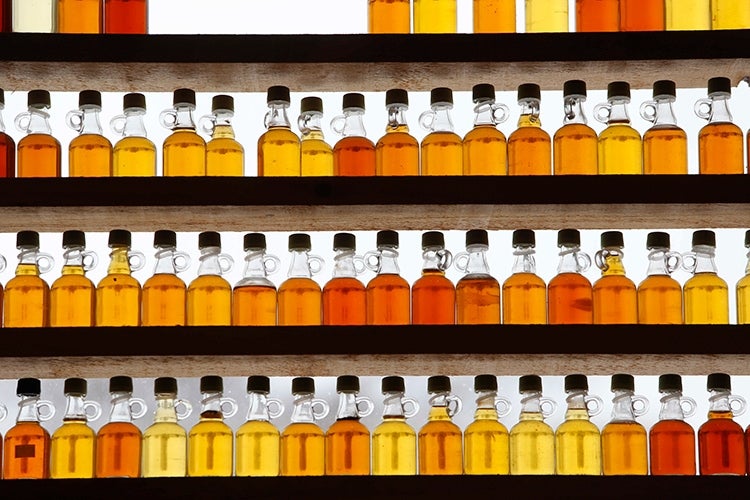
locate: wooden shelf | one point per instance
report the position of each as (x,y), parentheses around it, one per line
(251,63)
(345,203)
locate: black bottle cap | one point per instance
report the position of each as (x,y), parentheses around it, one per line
(719,381)
(704,237)
(75,386)
(390,238)
(665,87)
(134,100)
(119,238)
(299,241)
(623,382)
(25,239)
(568,237)
(524,237)
(311,104)
(433,239)
(2,97)
(39,99)
(353,100)
(574,87)
(73,238)
(165,238)
(612,239)
(392,384)
(259,383)
(529,91)
(303,385)
(222,102)
(438,383)
(29,387)
(90,98)
(485,383)
(344,241)
(254,241)
(212,383)
(529,383)
(184,96)
(209,239)
(396,96)
(747,238)
(165,385)
(441,95)
(719,84)
(670,382)
(482,91)
(347,383)
(657,239)
(278,93)
(576,382)
(618,89)
(477,237)
(121,384)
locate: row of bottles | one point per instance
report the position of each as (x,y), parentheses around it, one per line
(74,16)
(211,448)
(499,16)
(387,299)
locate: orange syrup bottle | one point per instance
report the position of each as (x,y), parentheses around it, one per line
(615,297)
(317,154)
(184,151)
(303,441)
(300,297)
(397,152)
(209,295)
(570,295)
(254,296)
(388,294)
(624,440)
(347,439)
(524,293)
(671,439)
(164,297)
(72,295)
(485,147)
(660,295)
(721,440)
(433,296)
(80,16)
(118,295)
(224,155)
(344,296)
(89,154)
(597,15)
(354,154)
(477,293)
(575,143)
(529,147)
(641,15)
(440,440)
(7,146)
(494,16)
(664,144)
(26,297)
(126,16)
(388,16)
(39,154)
(441,149)
(720,142)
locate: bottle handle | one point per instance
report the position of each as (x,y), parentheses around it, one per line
(740,407)
(3,412)
(445,258)
(74,120)
(372,261)
(427,120)
(50,408)
(93,260)
(594,405)
(322,405)
(500,113)
(583,261)
(271,263)
(648,111)
(225,262)
(97,410)
(600,259)
(141,406)
(3,263)
(672,261)
(187,409)
(136,260)
(117,124)
(168,118)
(231,407)
(602,112)
(180,261)
(45,262)
(273,402)
(408,413)
(23,122)
(551,406)
(457,405)
(502,406)
(207,124)
(338,123)
(266,119)
(302,121)
(703,108)
(640,405)
(688,406)
(461,261)
(315,264)
(367,406)
(689,261)
(359,265)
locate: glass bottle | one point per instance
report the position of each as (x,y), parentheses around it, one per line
(485,150)
(254,296)
(39,154)
(300,297)
(721,440)
(354,154)
(72,445)
(80,16)
(524,293)
(720,142)
(224,155)
(671,439)
(664,144)
(641,15)
(89,154)
(316,154)
(578,443)
(730,15)
(26,297)
(118,294)
(687,14)
(344,296)
(620,145)
(211,441)
(486,440)
(394,442)
(706,295)
(624,440)
(743,289)
(303,442)
(615,297)
(72,294)
(209,296)
(7,146)
(388,16)
(441,149)
(118,443)
(433,296)
(258,440)
(494,16)
(388,294)
(575,143)
(532,441)
(440,440)
(347,439)
(660,295)
(570,295)
(278,147)
(35,16)
(164,300)
(546,16)
(435,16)
(26,446)
(529,147)
(184,151)
(164,451)
(477,293)
(597,15)
(134,155)
(126,16)
(397,152)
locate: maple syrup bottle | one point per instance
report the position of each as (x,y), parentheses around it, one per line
(532,440)
(209,296)
(89,154)
(524,293)
(347,439)
(184,151)
(486,448)
(433,296)
(660,295)
(624,440)
(435,16)
(39,154)
(278,147)
(529,147)
(441,148)
(7,146)
(615,298)
(620,145)
(477,293)
(688,14)
(397,152)
(720,142)
(254,296)
(570,295)
(300,297)
(126,16)
(664,144)
(485,147)
(671,439)
(641,15)
(118,295)
(211,441)
(597,15)
(494,16)
(706,295)
(134,154)
(317,154)
(26,297)
(344,296)
(224,155)
(80,16)
(545,16)
(440,440)
(388,16)
(730,15)
(258,440)
(164,293)
(743,290)
(354,154)
(394,442)
(303,441)
(577,440)
(37,16)
(388,294)
(72,294)
(575,143)
(721,440)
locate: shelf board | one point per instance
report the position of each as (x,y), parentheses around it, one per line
(251,63)
(375,350)
(401,203)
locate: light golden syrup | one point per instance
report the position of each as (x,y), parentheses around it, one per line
(435,16)
(210,446)
(578,445)
(620,150)
(730,15)
(184,154)
(134,157)
(706,300)
(743,300)
(164,451)
(118,295)
(486,445)
(224,155)
(394,448)
(532,446)
(72,451)
(258,445)
(687,14)
(317,156)
(279,153)
(546,16)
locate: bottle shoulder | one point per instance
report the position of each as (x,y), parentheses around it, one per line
(90,140)
(259,427)
(184,137)
(524,279)
(71,281)
(388,281)
(347,426)
(575,130)
(209,281)
(164,280)
(159,428)
(614,281)
(118,280)
(291,284)
(484,133)
(343,283)
(307,428)
(118,428)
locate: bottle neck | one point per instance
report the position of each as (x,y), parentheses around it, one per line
(747,266)
(119,263)
(529,113)
(74,409)
(90,123)
(613,265)
(277,116)
(393,405)
(665,112)
(165,408)
(576,406)
(657,262)
(573,107)
(531,405)
(184,117)
(255,266)
(705,259)
(671,409)
(354,126)
(347,406)
(134,126)
(258,410)
(477,263)
(388,260)
(484,113)
(618,112)
(300,267)
(343,264)
(73,256)
(209,262)
(27,262)
(720,109)
(223,125)
(121,407)
(2,123)
(433,259)
(622,406)
(569,259)
(311,125)
(486,405)
(718,401)
(38,121)
(443,121)
(165,260)
(27,409)
(211,406)
(524,260)
(397,118)
(302,412)
(439,406)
